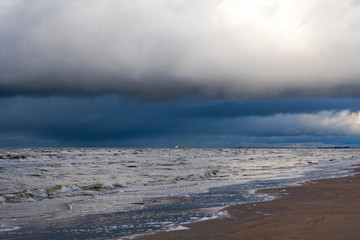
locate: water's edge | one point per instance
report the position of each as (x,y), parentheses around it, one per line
(122,193)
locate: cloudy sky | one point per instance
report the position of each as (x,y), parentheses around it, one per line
(198,73)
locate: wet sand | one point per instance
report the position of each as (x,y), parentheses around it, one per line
(325,209)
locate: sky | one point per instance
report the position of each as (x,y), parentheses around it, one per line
(199,73)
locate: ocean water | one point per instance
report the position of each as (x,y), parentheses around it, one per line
(113,193)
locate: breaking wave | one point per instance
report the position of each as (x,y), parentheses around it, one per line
(39,194)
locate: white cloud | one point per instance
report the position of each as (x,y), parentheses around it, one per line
(343,122)
(236,48)
(323,123)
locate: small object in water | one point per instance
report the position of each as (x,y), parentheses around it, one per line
(179,147)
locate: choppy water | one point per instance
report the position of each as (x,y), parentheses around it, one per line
(89,193)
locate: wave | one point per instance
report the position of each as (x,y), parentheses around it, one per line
(39,194)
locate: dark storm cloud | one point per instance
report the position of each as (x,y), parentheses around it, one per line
(171,49)
(108,121)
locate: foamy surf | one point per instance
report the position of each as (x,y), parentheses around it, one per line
(56,191)
(177,228)
(5,228)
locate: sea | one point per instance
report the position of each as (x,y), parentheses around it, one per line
(120,193)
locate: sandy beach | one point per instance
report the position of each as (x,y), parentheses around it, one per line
(324,209)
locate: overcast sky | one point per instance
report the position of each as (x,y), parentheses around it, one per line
(156,73)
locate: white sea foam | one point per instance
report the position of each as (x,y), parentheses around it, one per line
(221,214)
(9,229)
(155,172)
(177,228)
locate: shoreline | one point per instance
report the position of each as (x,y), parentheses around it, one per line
(320,209)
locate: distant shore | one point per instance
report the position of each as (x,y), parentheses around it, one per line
(323,209)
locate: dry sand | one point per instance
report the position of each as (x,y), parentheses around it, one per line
(325,209)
